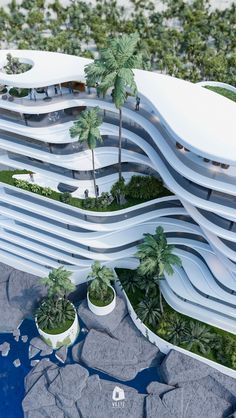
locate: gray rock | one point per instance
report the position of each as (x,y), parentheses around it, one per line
(17,362)
(8,322)
(76,351)
(46,352)
(33,351)
(5,348)
(38,396)
(40,344)
(228,382)
(198,402)
(211,384)
(41,367)
(61,354)
(155,408)
(178,367)
(24,291)
(34,362)
(158,388)
(69,382)
(5,272)
(102,352)
(46,412)
(96,401)
(24,338)
(16,338)
(16,332)
(106,323)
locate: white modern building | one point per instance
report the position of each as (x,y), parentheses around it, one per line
(183,132)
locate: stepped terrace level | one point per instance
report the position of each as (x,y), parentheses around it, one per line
(183,134)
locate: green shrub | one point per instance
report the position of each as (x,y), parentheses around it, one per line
(65,197)
(35,188)
(54,313)
(89,203)
(46,191)
(145,187)
(17,92)
(118,191)
(23,184)
(104,200)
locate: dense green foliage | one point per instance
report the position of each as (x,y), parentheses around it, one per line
(57,315)
(55,311)
(156,258)
(185,39)
(17,92)
(210,342)
(224,92)
(58,283)
(99,289)
(14,66)
(145,188)
(104,202)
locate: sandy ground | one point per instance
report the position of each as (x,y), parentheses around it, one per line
(220,4)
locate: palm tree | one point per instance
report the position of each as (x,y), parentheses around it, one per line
(156,257)
(148,311)
(175,329)
(101,277)
(86,128)
(114,70)
(197,336)
(58,283)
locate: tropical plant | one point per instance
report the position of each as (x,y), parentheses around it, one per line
(114,70)
(99,288)
(46,191)
(148,311)
(156,257)
(86,129)
(58,283)
(130,282)
(65,197)
(35,188)
(14,66)
(172,328)
(145,187)
(23,184)
(197,337)
(118,191)
(54,314)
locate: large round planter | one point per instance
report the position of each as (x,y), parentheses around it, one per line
(102,310)
(67,337)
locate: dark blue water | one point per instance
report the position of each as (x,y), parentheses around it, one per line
(12,378)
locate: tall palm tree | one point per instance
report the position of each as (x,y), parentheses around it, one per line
(156,257)
(86,128)
(114,70)
(58,283)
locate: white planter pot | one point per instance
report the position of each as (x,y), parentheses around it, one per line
(67,337)
(102,310)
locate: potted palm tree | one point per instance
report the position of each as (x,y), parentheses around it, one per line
(101,296)
(56,318)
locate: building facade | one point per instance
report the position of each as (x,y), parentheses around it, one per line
(183,133)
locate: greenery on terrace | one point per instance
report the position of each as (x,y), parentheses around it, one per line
(190,40)
(224,92)
(139,189)
(181,330)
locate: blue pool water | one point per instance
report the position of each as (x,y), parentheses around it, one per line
(12,378)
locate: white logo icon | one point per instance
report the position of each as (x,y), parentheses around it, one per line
(118,394)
